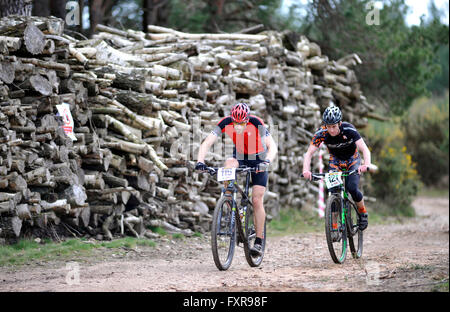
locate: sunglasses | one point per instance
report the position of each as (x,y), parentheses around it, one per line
(240,123)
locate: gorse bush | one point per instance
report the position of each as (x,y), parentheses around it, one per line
(397,181)
(426,135)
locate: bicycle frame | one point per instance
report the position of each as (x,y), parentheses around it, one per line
(242,219)
(343,193)
(340,195)
(245,200)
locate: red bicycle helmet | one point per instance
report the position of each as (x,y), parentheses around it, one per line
(240,112)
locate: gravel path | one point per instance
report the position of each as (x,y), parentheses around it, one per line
(408,256)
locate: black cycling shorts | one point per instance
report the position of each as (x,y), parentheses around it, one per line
(258,178)
(352,182)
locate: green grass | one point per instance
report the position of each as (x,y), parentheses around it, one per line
(177,236)
(158,230)
(292,221)
(441,287)
(26,251)
(433,192)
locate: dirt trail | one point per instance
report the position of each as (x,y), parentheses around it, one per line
(409,256)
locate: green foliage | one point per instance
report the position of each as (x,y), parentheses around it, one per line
(426,130)
(126,14)
(439,84)
(188,16)
(199,16)
(398,61)
(397,181)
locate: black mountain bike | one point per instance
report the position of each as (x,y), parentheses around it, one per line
(233,223)
(342,211)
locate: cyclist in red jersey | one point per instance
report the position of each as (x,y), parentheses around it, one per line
(254,146)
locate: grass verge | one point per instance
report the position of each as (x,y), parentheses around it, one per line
(293,221)
(26,251)
(433,192)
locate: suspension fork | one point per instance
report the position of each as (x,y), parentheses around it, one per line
(244,200)
(232,196)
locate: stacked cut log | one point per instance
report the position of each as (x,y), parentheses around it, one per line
(141,105)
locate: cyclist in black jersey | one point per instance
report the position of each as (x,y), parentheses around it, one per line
(343,142)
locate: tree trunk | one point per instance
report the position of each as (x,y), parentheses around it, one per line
(58,8)
(215,10)
(18,7)
(95,14)
(81,5)
(41,8)
(155,13)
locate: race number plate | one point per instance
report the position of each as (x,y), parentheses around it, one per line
(226,174)
(333,179)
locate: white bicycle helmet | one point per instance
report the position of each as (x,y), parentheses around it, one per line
(332,115)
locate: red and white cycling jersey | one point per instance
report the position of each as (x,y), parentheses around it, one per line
(251,141)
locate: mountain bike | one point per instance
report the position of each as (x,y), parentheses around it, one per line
(233,223)
(342,210)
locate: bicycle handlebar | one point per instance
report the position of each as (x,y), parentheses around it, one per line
(318,176)
(213,170)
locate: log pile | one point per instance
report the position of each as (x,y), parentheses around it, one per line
(141,105)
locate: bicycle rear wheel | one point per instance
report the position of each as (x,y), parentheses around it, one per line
(336,237)
(250,236)
(223,234)
(355,235)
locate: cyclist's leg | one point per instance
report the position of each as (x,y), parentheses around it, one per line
(259,181)
(352,183)
(352,187)
(258,207)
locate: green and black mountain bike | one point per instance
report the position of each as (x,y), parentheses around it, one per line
(341,210)
(233,222)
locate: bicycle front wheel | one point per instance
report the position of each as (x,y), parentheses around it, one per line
(355,235)
(223,234)
(335,229)
(250,236)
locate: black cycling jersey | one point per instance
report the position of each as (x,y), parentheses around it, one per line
(341,146)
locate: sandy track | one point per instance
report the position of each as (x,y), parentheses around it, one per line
(408,256)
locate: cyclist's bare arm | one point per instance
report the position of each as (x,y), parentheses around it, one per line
(308,156)
(361,145)
(271,148)
(205,146)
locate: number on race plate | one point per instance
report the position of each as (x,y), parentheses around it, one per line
(333,179)
(226,174)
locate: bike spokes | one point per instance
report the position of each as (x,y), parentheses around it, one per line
(250,234)
(223,234)
(335,229)
(355,235)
